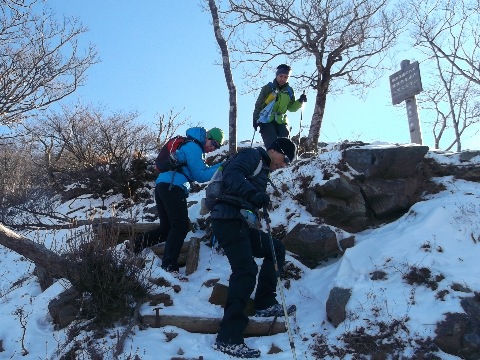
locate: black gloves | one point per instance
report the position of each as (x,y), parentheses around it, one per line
(255,125)
(302,98)
(260,200)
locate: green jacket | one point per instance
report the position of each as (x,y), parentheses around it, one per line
(285,100)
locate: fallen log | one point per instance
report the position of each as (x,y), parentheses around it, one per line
(204,325)
(57,266)
(122,231)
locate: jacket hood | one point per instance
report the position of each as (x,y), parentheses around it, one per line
(198,133)
(264,155)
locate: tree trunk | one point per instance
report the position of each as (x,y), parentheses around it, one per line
(317,118)
(54,264)
(232,91)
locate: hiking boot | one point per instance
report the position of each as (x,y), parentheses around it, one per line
(275,310)
(171,268)
(237,350)
(174,271)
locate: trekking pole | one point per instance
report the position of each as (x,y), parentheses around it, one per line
(253,137)
(300,129)
(279,283)
(213,242)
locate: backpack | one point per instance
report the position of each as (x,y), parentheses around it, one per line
(264,116)
(166,159)
(215,190)
(289,90)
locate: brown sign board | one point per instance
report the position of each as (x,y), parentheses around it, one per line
(405,83)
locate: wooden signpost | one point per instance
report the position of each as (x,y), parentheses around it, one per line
(404,85)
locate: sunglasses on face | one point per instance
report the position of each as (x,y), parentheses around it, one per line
(215,144)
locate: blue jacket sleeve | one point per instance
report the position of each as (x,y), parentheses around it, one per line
(196,169)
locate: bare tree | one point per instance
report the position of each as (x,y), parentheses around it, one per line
(41,61)
(331,39)
(450,30)
(85,137)
(167,126)
(25,194)
(456,103)
(15,175)
(448,33)
(232,90)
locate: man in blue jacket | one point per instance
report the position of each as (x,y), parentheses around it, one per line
(171,192)
(245,190)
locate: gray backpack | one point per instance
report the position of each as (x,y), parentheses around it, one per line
(215,190)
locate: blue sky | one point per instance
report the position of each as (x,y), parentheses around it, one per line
(163,55)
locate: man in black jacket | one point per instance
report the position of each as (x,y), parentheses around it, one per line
(245,179)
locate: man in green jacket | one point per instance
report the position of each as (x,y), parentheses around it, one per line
(271,106)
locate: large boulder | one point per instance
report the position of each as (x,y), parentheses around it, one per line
(386,162)
(313,243)
(385,183)
(389,197)
(339,202)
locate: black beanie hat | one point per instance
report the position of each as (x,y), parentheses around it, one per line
(283,69)
(284,146)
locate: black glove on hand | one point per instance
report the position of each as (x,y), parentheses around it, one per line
(255,125)
(302,98)
(260,200)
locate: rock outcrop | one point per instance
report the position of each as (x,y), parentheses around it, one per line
(378,184)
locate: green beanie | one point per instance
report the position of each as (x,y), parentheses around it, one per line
(215,134)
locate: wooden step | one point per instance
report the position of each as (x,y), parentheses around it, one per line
(205,325)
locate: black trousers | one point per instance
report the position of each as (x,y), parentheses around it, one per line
(271,131)
(172,210)
(241,244)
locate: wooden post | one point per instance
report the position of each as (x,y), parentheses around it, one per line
(412,113)
(193,256)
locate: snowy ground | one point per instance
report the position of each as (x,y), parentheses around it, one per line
(441,233)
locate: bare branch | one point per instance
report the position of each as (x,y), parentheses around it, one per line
(41,62)
(338,43)
(445,30)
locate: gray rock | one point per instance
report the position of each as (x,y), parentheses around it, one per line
(335,307)
(459,333)
(387,163)
(65,308)
(468,155)
(339,187)
(348,214)
(313,243)
(386,197)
